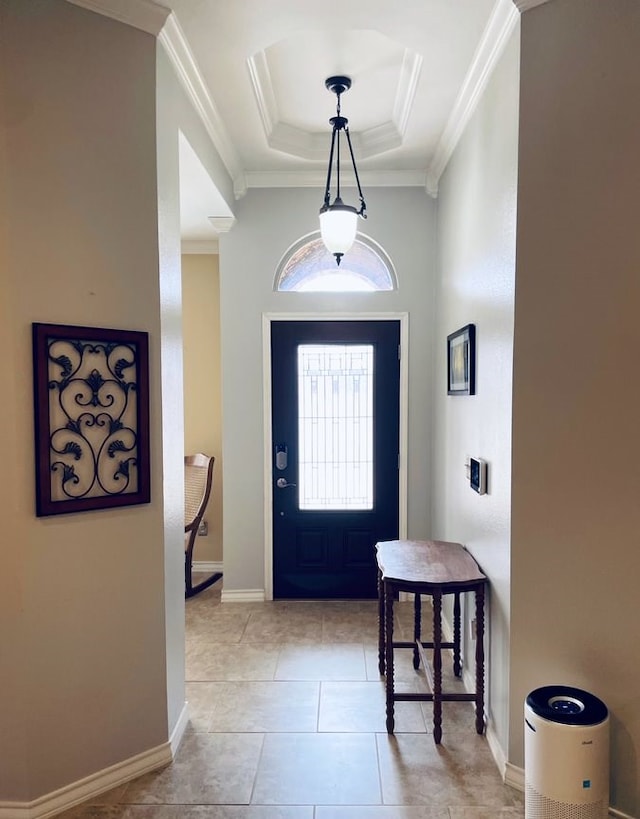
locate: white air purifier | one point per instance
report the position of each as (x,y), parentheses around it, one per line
(566,754)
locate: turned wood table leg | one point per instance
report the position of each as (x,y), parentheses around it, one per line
(480,659)
(381,625)
(417,628)
(457,665)
(437,666)
(388,626)
(431,568)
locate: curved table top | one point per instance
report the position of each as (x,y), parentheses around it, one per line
(435,563)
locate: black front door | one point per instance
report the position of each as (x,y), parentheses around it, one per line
(335,421)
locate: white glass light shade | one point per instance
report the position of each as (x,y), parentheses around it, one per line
(338,227)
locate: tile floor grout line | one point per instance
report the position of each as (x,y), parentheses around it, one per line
(255,776)
(269,774)
(320,686)
(381,792)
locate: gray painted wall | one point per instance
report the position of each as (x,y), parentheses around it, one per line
(269,221)
(476,266)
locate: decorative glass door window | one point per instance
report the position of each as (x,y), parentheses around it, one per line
(335,426)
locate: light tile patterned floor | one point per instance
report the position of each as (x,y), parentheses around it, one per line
(287,721)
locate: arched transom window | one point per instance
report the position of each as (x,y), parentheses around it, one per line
(307,266)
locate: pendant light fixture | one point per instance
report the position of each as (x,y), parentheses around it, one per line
(338,222)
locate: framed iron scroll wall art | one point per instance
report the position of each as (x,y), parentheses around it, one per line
(461,361)
(91,403)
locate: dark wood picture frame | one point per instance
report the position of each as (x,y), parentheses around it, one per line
(461,361)
(91,414)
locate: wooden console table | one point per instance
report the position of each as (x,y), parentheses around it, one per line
(436,568)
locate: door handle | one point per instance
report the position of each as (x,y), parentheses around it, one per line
(282,483)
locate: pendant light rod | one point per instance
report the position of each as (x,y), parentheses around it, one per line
(339,85)
(327,189)
(363,208)
(337,220)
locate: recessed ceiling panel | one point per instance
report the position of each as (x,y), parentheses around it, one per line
(298,43)
(299,65)
(378,105)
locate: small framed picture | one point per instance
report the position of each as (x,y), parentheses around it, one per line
(461,361)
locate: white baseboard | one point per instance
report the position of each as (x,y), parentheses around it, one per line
(497,751)
(620,815)
(514,776)
(241,596)
(208,566)
(97,783)
(90,786)
(178,732)
(469,681)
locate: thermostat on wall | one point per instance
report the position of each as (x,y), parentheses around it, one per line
(478,475)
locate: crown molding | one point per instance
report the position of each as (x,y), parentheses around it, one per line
(287,179)
(376,140)
(502,22)
(409,75)
(317,179)
(142,14)
(294,141)
(175,44)
(161,22)
(525,5)
(289,139)
(260,77)
(305,145)
(222,224)
(155,19)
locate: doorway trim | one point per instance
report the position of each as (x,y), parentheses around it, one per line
(267,319)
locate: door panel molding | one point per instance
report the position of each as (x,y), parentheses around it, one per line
(267,319)
(312,548)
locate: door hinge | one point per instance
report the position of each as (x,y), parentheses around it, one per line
(399,353)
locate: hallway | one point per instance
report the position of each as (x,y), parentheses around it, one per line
(287,720)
